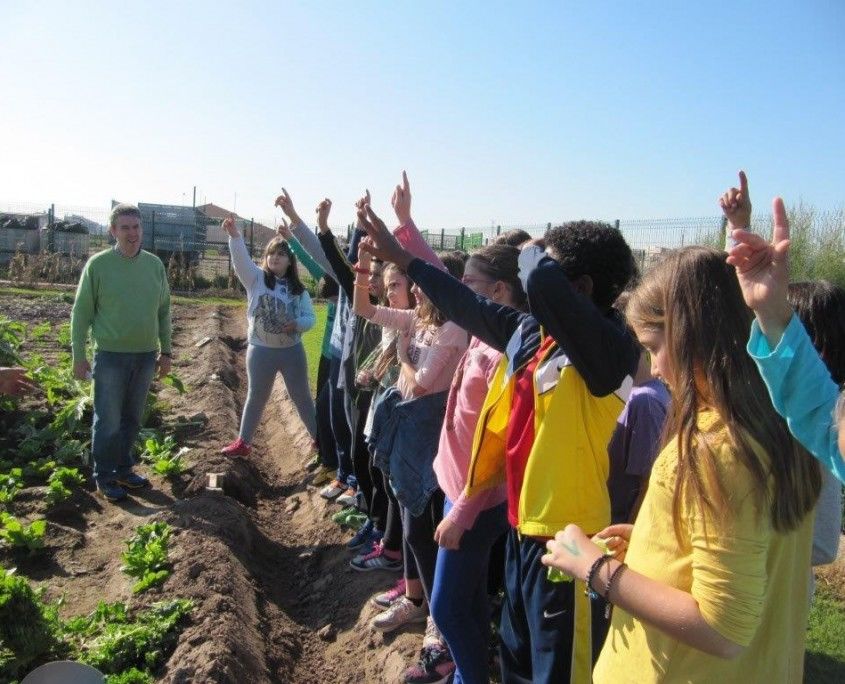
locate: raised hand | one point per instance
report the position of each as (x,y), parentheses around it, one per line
(285,203)
(364,253)
(736,205)
(283,230)
(401,200)
(381,243)
(762,269)
(323,210)
(230,228)
(364,201)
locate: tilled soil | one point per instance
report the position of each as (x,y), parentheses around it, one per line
(262,559)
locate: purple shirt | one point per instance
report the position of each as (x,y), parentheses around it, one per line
(634,446)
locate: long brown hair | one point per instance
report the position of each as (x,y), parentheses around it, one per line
(279,245)
(390,357)
(693,297)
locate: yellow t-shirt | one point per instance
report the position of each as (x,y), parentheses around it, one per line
(750,583)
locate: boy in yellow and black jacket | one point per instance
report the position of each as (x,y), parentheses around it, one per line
(545,427)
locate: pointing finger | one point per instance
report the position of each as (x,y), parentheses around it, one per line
(781,227)
(405,185)
(743,184)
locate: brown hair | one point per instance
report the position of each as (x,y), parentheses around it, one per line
(279,245)
(693,297)
(389,357)
(500,261)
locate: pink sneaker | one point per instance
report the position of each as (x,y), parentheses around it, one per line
(387,598)
(237,448)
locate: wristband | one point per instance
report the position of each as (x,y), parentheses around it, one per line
(365,271)
(616,573)
(594,568)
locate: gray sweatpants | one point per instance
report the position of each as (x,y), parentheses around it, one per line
(262,364)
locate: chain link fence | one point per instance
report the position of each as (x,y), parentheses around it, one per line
(50,243)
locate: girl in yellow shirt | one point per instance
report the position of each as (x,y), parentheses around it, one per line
(715,586)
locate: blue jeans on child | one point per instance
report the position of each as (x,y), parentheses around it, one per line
(121,384)
(459,603)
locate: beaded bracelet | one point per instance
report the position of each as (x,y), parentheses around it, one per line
(610,582)
(594,568)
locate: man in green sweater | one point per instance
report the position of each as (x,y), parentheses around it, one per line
(124,300)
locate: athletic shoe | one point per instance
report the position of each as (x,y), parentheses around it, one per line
(111,491)
(342,515)
(348,498)
(236,448)
(402,612)
(366,534)
(314,463)
(132,481)
(333,490)
(435,666)
(432,636)
(322,476)
(387,598)
(376,559)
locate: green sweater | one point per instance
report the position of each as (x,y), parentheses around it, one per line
(124,302)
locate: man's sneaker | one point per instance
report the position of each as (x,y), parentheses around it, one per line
(323,475)
(435,666)
(387,598)
(111,491)
(366,534)
(342,516)
(332,490)
(348,498)
(376,559)
(132,481)
(402,612)
(236,448)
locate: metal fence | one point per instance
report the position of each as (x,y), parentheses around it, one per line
(194,264)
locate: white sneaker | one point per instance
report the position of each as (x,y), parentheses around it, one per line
(402,612)
(333,489)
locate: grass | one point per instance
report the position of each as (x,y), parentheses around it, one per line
(825,660)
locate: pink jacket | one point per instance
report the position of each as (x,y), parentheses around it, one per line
(466,397)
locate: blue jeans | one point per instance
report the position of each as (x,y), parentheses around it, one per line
(459,603)
(121,383)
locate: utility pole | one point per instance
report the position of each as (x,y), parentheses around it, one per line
(194,202)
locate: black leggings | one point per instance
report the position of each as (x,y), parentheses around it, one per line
(420,547)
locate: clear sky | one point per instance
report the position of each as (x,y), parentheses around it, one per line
(500,112)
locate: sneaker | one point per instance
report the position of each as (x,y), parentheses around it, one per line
(322,475)
(376,559)
(432,636)
(333,490)
(366,534)
(111,491)
(314,463)
(342,515)
(435,666)
(387,598)
(402,612)
(132,481)
(236,448)
(348,498)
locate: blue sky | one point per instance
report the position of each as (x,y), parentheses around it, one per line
(500,113)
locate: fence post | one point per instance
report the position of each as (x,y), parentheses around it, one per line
(251,237)
(462,236)
(51,229)
(616,223)
(153,234)
(442,238)
(498,231)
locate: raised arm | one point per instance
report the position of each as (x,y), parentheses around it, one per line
(407,233)
(314,269)
(598,345)
(245,269)
(303,233)
(492,323)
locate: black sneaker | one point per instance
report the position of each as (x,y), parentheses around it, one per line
(435,666)
(133,481)
(111,491)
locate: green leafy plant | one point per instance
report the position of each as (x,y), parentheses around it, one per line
(20,536)
(27,627)
(10,484)
(164,455)
(12,335)
(145,557)
(174,381)
(131,676)
(60,482)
